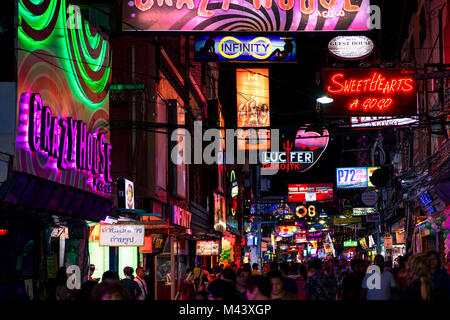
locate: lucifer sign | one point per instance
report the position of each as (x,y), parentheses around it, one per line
(299,156)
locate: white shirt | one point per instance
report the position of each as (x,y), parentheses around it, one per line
(384,293)
(143,285)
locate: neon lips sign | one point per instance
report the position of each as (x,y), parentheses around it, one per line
(67,141)
(300,156)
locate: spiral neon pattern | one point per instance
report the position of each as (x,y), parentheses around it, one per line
(71,69)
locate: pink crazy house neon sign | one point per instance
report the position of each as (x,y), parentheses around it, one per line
(65,140)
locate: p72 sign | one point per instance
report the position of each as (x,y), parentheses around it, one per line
(352,177)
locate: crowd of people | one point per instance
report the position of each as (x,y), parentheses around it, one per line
(417,277)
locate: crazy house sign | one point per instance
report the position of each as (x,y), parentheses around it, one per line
(301,155)
(63,80)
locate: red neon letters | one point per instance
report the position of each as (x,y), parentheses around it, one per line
(370,92)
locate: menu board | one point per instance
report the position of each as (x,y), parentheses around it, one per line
(207,248)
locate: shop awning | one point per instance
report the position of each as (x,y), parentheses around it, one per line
(39,197)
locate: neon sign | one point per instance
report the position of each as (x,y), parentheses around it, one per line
(257,15)
(310,192)
(286,231)
(67,62)
(350,244)
(65,140)
(302,212)
(354,177)
(302,155)
(243,48)
(370,92)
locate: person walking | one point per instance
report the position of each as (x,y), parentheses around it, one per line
(300,274)
(386,281)
(132,287)
(419,278)
(439,276)
(242,279)
(259,288)
(289,284)
(352,283)
(319,286)
(255,271)
(186,288)
(278,293)
(140,280)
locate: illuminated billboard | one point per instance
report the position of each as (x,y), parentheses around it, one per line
(370,92)
(63,80)
(301,155)
(250,16)
(243,48)
(379,122)
(310,192)
(253,107)
(354,177)
(208,248)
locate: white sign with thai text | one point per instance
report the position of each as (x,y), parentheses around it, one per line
(122,235)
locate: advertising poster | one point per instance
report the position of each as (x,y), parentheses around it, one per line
(244,48)
(370,92)
(253,102)
(208,248)
(64,75)
(220,218)
(262,16)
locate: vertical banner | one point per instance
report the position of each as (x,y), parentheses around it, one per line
(253,102)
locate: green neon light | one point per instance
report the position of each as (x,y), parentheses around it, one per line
(101,83)
(93,40)
(94,64)
(95,86)
(57,44)
(37,22)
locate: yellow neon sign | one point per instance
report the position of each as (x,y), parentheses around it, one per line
(241,45)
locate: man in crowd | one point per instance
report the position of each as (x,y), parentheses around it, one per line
(132,287)
(242,279)
(259,288)
(439,276)
(289,284)
(278,293)
(381,288)
(319,286)
(255,271)
(351,285)
(140,280)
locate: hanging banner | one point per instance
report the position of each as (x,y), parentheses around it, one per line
(242,48)
(251,16)
(370,92)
